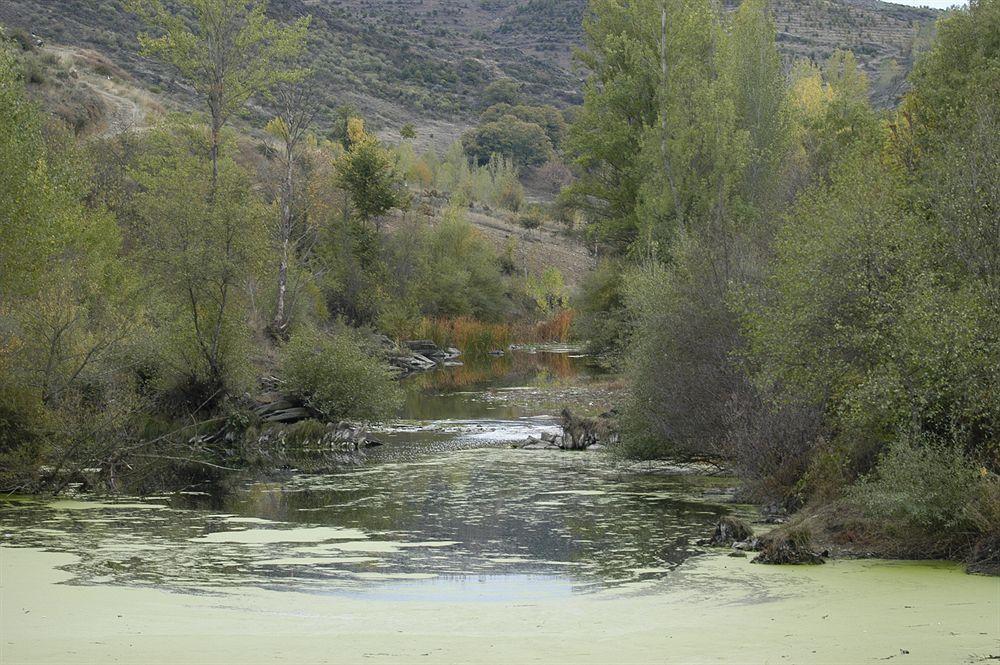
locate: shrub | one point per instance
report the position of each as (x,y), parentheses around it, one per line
(339,376)
(524,142)
(22,421)
(511,196)
(602,320)
(921,486)
(532,218)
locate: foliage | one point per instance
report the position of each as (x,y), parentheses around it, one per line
(66,295)
(501,91)
(922,484)
(201,247)
(338,376)
(471,335)
(368,172)
(457,271)
(523,142)
(548,118)
(602,321)
(229,53)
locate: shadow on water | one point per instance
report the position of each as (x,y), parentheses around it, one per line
(445,508)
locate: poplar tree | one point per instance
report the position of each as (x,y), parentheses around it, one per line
(229,51)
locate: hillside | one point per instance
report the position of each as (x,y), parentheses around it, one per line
(428,60)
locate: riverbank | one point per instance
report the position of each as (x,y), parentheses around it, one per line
(848,611)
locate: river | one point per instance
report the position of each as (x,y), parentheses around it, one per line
(447,545)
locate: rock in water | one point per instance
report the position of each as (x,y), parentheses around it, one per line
(729,531)
(583,433)
(788,547)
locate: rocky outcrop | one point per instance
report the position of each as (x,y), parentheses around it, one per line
(273,407)
(421,355)
(543,442)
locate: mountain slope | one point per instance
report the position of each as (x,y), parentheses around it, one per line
(402,60)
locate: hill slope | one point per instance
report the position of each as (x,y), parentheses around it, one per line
(403,60)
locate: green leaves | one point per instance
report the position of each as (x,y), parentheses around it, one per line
(229,50)
(368,172)
(339,377)
(200,249)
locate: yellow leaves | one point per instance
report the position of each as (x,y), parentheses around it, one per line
(356,130)
(278,128)
(810,96)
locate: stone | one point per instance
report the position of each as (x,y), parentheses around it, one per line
(788,546)
(730,530)
(421,345)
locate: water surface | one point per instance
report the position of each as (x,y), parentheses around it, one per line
(447,545)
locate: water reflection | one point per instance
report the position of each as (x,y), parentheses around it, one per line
(470,391)
(471,513)
(445,506)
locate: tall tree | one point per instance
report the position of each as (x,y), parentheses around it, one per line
(620,102)
(201,245)
(760,94)
(297,107)
(229,52)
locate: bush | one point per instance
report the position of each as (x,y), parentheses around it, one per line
(339,376)
(532,218)
(603,321)
(524,142)
(22,422)
(922,487)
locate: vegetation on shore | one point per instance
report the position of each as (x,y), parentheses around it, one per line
(802,286)
(797,284)
(156,282)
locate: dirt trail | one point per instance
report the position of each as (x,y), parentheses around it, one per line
(126,106)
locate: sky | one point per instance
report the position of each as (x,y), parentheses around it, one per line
(937,4)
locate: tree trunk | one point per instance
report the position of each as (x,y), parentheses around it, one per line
(280,317)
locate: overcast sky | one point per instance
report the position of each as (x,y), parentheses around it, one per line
(937,4)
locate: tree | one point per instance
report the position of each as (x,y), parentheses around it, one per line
(297,108)
(548,118)
(66,294)
(64,289)
(760,92)
(501,91)
(368,173)
(230,53)
(620,103)
(524,142)
(201,245)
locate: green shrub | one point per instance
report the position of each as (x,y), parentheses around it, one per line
(338,376)
(923,486)
(22,423)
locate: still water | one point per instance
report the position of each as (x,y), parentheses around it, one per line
(448,546)
(445,501)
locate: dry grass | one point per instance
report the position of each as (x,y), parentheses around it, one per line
(477,337)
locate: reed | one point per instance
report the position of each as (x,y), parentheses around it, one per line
(466,333)
(476,337)
(555,329)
